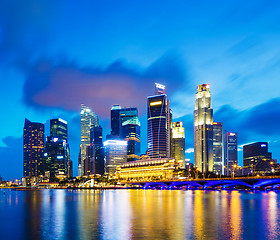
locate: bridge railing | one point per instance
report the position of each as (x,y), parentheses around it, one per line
(200,179)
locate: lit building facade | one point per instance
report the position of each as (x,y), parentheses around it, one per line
(33,149)
(125,125)
(131,134)
(203,129)
(115,120)
(256,157)
(115,152)
(88,118)
(218,151)
(230,152)
(159,124)
(57,151)
(126,114)
(178,143)
(147,169)
(58,129)
(97,150)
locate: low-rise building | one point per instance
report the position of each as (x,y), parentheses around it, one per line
(147,169)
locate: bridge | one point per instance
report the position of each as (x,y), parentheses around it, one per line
(254,183)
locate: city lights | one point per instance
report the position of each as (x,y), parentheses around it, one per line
(155,103)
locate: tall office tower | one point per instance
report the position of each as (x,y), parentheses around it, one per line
(33,149)
(57,152)
(56,157)
(115,120)
(218,156)
(203,129)
(88,162)
(126,114)
(255,156)
(88,118)
(131,133)
(79,163)
(97,150)
(178,143)
(159,124)
(230,152)
(58,129)
(115,155)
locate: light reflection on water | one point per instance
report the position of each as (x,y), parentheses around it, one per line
(139,214)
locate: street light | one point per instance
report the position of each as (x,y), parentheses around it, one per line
(272,170)
(234,166)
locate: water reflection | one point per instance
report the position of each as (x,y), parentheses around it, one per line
(134,214)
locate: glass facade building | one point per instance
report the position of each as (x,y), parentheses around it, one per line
(97,150)
(178,143)
(56,157)
(88,119)
(131,134)
(115,120)
(256,157)
(159,125)
(203,130)
(58,129)
(115,152)
(57,151)
(218,151)
(33,149)
(230,152)
(125,125)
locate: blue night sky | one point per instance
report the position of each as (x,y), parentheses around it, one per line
(55,55)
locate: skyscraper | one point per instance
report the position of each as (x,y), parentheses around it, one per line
(230,151)
(125,125)
(115,120)
(126,114)
(256,157)
(88,118)
(218,150)
(56,157)
(58,129)
(131,133)
(33,149)
(115,155)
(178,143)
(203,129)
(57,151)
(159,124)
(97,150)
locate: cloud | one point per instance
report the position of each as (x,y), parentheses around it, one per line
(65,85)
(260,121)
(189,150)
(11,158)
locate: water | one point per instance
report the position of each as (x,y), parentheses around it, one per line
(139,214)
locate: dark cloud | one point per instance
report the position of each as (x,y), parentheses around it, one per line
(65,85)
(251,124)
(11,158)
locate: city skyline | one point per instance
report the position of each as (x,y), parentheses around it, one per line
(50,74)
